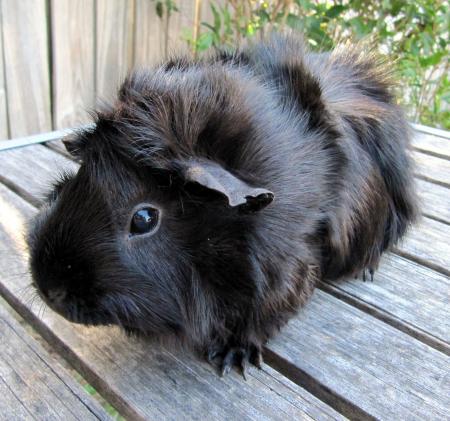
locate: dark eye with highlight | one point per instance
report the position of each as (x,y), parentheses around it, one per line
(144,221)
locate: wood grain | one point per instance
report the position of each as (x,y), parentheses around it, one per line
(73,46)
(181,22)
(114,38)
(27,70)
(142,380)
(148,35)
(32,170)
(4,133)
(433,169)
(431,130)
(33,384)
(409,294)
(434,200)
(427,243)
(431,144)
(30,140)
(360,359)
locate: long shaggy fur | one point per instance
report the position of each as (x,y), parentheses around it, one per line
(320,131)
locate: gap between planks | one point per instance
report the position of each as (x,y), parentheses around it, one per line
(386,317)
(44,386)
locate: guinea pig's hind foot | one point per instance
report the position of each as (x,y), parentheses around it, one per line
(235,356)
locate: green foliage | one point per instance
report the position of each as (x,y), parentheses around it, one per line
(165,8)
(415,34)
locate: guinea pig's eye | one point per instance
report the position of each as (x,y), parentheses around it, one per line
(144,220)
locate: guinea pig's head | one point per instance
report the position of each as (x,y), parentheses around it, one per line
(155,218)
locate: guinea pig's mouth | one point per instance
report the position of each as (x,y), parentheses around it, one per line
(77,314)
(75,310)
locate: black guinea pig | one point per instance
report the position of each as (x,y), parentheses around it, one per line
(214,193)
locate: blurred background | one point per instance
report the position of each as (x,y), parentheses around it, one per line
(60,58)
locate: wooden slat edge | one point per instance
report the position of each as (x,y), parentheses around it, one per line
(357,358)
(35,139)
(386,317)
(309,383)
(4,123)
(432,168)
(51,365)
(431,130)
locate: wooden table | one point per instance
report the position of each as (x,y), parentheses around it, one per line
(359,350)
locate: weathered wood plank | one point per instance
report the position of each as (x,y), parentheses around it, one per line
(4,134)
(427,243)
(389,374)
(27,69)
(148,34)
(114,45)
(431,144)
(58,146)
(30,140)
(434,200)
(73,61)
(180,22)
(431,130)
(431,168)
(142,380)
(31,170)
(408,294)
(33,384)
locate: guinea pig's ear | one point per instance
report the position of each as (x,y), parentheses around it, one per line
(214,177)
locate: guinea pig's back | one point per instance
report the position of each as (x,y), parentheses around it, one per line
(351,147)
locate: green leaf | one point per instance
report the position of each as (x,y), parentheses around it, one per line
(445,96)
(305,4)
(431,60)
(335,11)
(427,42)
(295,22)
(217,19)
(159,9)
(205,41)
(264,17)
(396,6)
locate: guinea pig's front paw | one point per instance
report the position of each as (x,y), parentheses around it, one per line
(365,274)
(368,273)
(235,356)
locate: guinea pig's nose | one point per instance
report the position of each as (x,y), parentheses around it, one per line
(56,296)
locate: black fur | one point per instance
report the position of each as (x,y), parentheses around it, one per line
(320,131)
